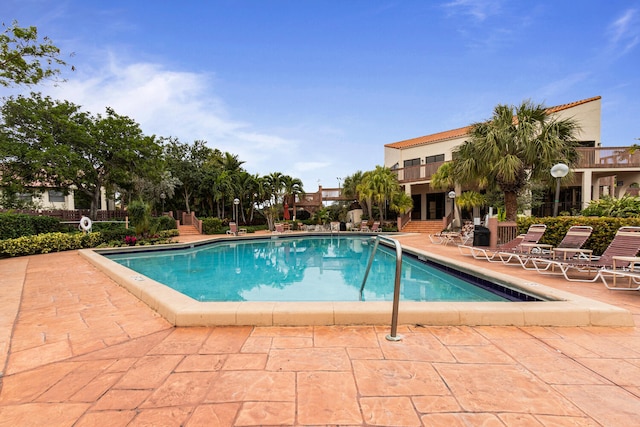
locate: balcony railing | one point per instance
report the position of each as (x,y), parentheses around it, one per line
(588,157)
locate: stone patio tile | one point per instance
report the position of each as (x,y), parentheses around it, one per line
(184,388)
(115,399)
(461,420)
(202,362)
(324,359)
(480,354)
(619,372)
(292,342)
(157,417)
(149,372)
(228,339)
(387,411)
(84,374)
(458,335)
(502,388)
(559,421)
(243,386)
(365,353)
(283,331)
(266,413)
(319,404)
(129,348)
(607,404)
(528,420)
(112,418)
(345,336)
(27,386)
(397,378)
(182,341)
(38,356)
(214,415)
(41,414)
(245,361)
(96,388)
(419,346)
(431,404)
(257,345)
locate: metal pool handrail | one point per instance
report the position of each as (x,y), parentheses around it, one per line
(393,336)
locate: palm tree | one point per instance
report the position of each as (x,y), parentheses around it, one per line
(518,144)
(380,186)
(292,187)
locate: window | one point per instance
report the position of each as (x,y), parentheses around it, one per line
(24,197)
(412,162)
(56,196)
(435,159)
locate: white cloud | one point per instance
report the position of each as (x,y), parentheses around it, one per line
(179,104)
(478,9)
(623,32)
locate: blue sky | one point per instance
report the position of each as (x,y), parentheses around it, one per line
(314,89)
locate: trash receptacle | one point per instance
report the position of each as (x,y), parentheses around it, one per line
(481,236)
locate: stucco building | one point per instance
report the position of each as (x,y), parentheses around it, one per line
(600,171)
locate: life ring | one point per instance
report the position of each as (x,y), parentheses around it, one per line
(85,224)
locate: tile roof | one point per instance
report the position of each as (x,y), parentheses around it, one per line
(463,131)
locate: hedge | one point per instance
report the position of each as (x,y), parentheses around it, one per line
(16,225)
(604,229)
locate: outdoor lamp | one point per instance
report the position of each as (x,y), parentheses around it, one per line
(558,171)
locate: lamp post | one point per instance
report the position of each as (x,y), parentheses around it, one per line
(236,202)
(558,171)
(162,197)
(452,196)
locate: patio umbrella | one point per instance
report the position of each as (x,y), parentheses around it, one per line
(286,212)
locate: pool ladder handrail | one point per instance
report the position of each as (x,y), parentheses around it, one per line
(393,336)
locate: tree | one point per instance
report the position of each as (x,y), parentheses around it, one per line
(518,144)
(55,143)
(292,187)
(24,59)
(185,163)
(380,186)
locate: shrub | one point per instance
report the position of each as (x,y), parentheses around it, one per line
(17,225)
(624,207)
(162,223)
(48,242)
(212,226)
(603,229)
(140,214)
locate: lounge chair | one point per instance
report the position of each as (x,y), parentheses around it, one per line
(278,228)
(234,230)
(376,227)
(522,243)
(364,227)
(569,247)
(620,253)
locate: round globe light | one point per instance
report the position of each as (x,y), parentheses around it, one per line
(560,170)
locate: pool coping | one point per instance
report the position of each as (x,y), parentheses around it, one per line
(561,309)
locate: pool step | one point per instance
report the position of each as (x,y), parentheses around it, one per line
(426,227)
(187,230)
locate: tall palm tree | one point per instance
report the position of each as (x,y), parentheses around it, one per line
(292,187)
(518,144)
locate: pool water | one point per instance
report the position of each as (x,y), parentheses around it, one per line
(298,269)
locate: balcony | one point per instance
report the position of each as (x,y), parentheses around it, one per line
(588,158)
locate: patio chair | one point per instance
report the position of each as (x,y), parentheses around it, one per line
(278,228)
(523,242)
(569,247)
(234,230)
(364,227)
(620,253)
(376,227)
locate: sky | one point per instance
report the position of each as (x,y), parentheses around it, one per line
(315,89)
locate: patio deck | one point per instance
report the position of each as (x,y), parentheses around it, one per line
(78,350)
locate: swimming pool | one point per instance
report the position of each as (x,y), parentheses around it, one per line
(554,308)
(317,268)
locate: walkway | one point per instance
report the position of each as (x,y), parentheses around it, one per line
(78,350)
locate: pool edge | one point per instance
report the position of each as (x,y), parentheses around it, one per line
(180,310)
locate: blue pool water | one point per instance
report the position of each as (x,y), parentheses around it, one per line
(298,269)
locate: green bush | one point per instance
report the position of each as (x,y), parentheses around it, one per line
(17,225)
(212,226)
(140,215)
(624,207)
(603,229)
(162,223)
(48,242)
